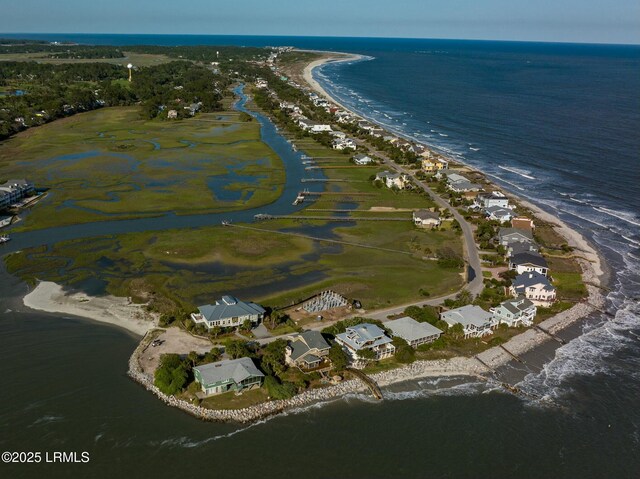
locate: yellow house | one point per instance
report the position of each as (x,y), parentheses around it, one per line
(431,165)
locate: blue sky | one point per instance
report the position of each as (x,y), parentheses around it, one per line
(601,21)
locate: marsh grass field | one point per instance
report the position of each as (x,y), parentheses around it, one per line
(111,164)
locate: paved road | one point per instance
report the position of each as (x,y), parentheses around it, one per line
(474,271)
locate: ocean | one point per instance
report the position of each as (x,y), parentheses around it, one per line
(554,123)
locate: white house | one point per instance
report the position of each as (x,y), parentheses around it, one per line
(535,287)
(493,198)
(498,213)
(426,218)
(228,312)
(343,144)
(475,321)
(528,261)
(366,336)
(361,159)
(412,331)
(514,312)
(390,180)
(13,191)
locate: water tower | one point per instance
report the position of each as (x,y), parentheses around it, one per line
(130,67)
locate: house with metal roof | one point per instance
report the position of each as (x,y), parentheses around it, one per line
(390,180)
(366,336)
(475,321)
(507,236)
(307,350)
(528,261)
(228,312)
(535,287)
(361,159)
(498,213)
(426,218)
(514,312)
(230,375)
(412,331)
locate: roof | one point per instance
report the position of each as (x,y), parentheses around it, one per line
(302,343)
(517,305)
(425,215)
(236,369)
(531,278)
(411,330)
(388,174)
(529,257)
(229,307)
(364,335)
(498,210)
(467,315)
(510,231)
(361,156)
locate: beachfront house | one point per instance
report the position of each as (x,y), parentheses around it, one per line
(514,312)
(308,350)
(475,321)
(228,312)
(498,213)
(229,375)
(12,191)
(413,332)
(507,236)
(361,159)
(458,183)
(426,219)
(391,180)
(431,165)
(365,336)
(528,261)
(535,287)
(493,198)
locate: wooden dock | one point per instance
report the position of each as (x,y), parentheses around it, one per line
(262,217)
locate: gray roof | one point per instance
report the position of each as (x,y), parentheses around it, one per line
(411,330)
(303,343)
(522,247)
(229,307)
(364,335)
(532,278)
(361,156)
(467,315)
(529,257)
(425,215)
(498,210)
(517,305)
(236,369)
(524,234)
(388,174)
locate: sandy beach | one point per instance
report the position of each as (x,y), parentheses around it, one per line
(51,297)
(332,57)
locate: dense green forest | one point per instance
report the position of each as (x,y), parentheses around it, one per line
(33,93)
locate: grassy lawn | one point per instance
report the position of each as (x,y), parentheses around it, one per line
(138,59)
(232,401)
(111,164)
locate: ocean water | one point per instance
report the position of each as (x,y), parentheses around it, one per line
(557,124)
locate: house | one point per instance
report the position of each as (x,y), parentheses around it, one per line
(260,83)
(228,312)
(475,321)
(425,218)
(319,128)
(376,132)
(535,287)
(459,183)
(343,144)
(307,350)
(338,134)
(493,198)
(514,312)
(498,213)
(517,247)
(366,336)
(361,159)
(172,114)
(412,331)
(528,261)
(507,236)
(229,375)
(522,223)
(13,191)
(390,180)
(431,165)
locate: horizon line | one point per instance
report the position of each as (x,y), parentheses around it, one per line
(327,36)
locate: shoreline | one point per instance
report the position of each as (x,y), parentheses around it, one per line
(117,311)
(50,297)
